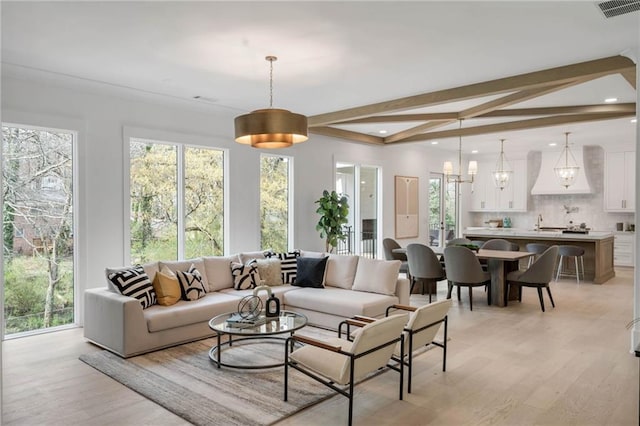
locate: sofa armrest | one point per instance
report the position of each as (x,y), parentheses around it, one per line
(106,314)
(402,291)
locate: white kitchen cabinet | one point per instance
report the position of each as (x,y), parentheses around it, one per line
(624,249)
(487,197)
(620,182)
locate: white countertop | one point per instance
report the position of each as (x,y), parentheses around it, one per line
(518,232)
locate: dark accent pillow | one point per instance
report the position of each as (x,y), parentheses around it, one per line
(288,264)
(191,284)
(310,271)
(134,282)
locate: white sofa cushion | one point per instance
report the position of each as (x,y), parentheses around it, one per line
(270,271)
(307,253)
(247,256)
(341,271)
(338,301)
(218,271)
(189,312)
(377,276)
(184,265)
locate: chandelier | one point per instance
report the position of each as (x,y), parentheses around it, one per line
(448,166)
(271,127)
(566,168)
(502,174)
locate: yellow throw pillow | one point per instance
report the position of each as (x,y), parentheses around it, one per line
(167,288)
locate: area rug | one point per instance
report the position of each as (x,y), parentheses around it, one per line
(183,380)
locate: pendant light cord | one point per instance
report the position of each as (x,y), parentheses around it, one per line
(271,59)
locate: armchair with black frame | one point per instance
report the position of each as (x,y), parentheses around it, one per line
(339,363)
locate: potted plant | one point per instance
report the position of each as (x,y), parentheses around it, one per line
(333,210)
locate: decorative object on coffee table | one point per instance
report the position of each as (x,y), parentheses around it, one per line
(250,307)
(272,305)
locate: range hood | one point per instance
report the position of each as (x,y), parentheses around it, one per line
(547,182)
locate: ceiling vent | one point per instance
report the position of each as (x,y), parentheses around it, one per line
(619,7)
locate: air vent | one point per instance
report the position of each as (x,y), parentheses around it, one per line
(619,7)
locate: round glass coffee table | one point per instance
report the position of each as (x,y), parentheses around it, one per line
(263,330)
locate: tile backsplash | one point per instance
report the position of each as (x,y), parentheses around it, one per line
(559,210)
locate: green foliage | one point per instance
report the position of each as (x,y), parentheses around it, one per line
(25,287)
(274,203)
(334,211)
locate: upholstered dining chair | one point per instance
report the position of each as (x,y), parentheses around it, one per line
(538,275)
(537,249)
(500,244)
(389,244)
(339,363)
(424,323)
(425,267)
(464,270)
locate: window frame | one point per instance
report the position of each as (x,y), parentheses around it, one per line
(181,141)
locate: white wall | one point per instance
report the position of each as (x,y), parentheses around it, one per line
(99,118)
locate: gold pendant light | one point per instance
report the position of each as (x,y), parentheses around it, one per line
(271,127)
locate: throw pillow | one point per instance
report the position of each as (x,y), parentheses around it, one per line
(377,276)
(167,287)
(134,282)
(191,284)
(270,271)
(245,277)
(341,271)
(287,263)
(310,271)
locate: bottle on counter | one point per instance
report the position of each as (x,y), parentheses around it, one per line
(506,222)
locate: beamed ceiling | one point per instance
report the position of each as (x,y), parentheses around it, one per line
(500,111)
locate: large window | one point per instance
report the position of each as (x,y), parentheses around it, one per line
(275,202)
(360,184)
(37,229)
(176,201)
(442,210)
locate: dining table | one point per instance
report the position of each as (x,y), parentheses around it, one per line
(496,261)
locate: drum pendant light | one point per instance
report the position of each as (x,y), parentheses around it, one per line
(271,127)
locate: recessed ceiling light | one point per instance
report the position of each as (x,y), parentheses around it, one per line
(475,151)
(633,120)
(383,132)
(434,142)
(553,144)
(611,100)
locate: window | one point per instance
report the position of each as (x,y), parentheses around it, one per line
(38,223)
(362,229)
(275,203)
(176,201)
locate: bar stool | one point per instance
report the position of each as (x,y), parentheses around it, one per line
(571,251)
(537,249)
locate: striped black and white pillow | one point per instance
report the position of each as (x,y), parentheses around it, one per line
(288,262)
(191,284)
(134,282)
(245,277)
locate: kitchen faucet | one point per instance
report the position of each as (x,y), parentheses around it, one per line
(538,222)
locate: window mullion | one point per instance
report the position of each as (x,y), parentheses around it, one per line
(180,164)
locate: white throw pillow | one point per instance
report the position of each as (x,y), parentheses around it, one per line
(218,273)
(270,271)
(377,276)
(341,271)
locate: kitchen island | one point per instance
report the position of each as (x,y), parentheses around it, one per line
(598,247)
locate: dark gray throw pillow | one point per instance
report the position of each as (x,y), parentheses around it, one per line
(310,271)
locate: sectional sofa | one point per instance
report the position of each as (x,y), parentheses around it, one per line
(351,285)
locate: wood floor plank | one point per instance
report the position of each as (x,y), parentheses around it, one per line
(506,366)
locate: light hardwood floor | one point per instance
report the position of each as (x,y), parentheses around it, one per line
(506,366)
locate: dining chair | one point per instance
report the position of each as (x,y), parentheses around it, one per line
(420,331)
(464,270)
(389,244)
(425,267)
(537,249)
(538,275)
(339,363)
(500,244)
